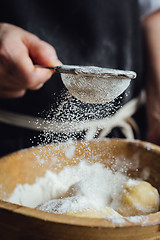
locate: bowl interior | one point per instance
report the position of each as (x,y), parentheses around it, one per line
(137,159)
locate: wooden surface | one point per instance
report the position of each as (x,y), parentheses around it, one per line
(17,222)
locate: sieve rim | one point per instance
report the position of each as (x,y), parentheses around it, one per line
(94,70)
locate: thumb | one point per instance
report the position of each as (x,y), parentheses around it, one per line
(41,52)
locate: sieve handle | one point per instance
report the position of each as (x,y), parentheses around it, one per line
(47,67)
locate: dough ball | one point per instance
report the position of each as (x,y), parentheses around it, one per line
(138,198)
(103,212)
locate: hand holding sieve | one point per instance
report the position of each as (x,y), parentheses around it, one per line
(94,84)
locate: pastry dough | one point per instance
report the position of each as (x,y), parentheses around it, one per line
(138,197)
(103,212)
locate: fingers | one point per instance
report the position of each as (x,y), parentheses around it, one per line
(41,52)
(30,76)
(18,72)
(38,86)
(9,93)
(18,51)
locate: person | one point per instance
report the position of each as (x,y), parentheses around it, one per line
(100,33)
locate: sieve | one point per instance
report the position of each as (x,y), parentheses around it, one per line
(92,84)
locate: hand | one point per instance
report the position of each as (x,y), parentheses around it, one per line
(19,49)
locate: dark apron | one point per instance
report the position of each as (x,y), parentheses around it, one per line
(83,32)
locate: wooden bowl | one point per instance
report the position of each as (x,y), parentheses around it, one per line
(18,222)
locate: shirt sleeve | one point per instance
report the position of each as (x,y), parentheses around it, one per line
(148,6)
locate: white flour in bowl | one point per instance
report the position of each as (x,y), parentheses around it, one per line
(93,181)
(78,188)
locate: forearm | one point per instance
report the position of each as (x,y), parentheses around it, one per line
(151,29)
